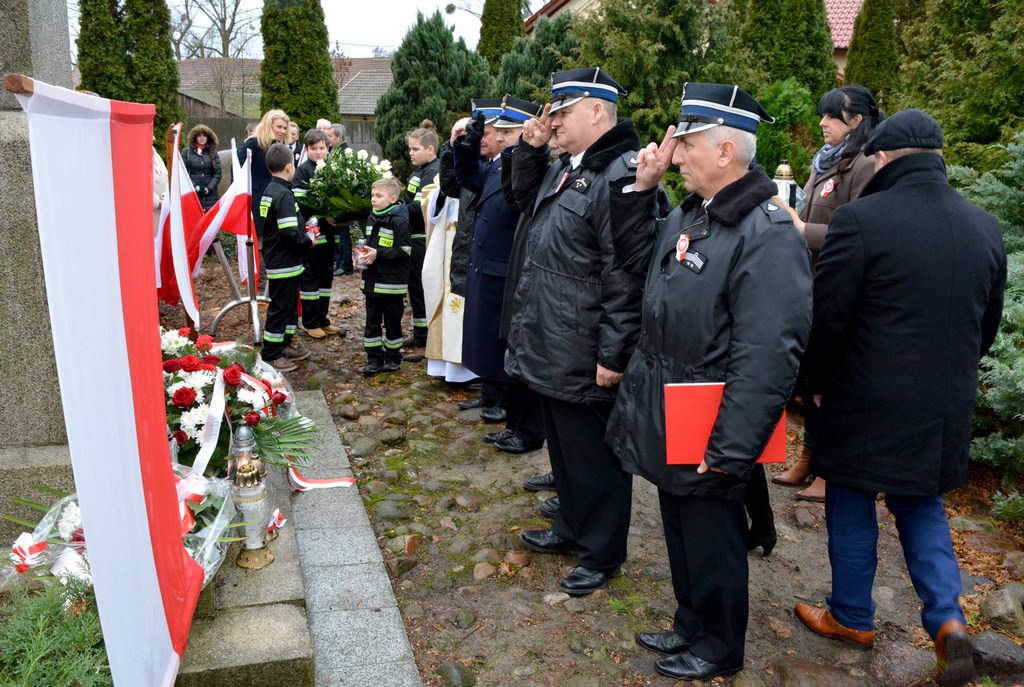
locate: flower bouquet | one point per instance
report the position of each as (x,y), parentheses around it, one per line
(340,187)
(212,387)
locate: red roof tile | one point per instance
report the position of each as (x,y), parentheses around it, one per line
(841,15)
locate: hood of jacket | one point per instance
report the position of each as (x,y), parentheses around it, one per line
(211,138)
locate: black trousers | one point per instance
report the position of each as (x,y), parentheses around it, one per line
(594,492)
(707,551)
(525,416)
(419,306)
(315,285)
(386,310)
(282,316)
(493,392)
(758,503)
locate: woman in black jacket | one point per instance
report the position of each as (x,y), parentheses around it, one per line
(200,157)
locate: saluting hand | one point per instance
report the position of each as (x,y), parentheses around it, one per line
(537,132)
(653,161)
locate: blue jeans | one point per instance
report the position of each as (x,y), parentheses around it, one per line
(927,549)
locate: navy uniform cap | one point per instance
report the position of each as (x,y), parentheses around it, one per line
(908,128)
(515,112)
(490,107)
(712,104)
(576,84)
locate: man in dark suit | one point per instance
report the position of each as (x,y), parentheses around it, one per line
(478,170)
(907,299)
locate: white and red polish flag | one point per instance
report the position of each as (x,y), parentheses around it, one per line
(233,214)
(177,239)
(95,216)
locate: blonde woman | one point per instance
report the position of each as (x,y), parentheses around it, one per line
(273,128)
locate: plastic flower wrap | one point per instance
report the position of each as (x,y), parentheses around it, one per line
(206,512)
(340,188)
(210,388)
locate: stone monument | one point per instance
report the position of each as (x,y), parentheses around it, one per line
(33,443)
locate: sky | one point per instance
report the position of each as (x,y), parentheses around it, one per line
(360,25)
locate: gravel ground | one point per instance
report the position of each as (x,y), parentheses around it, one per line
(479,607)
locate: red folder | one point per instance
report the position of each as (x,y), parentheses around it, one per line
(690,414)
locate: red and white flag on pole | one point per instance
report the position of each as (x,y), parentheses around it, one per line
(233,214)
(177,239)
(94,211)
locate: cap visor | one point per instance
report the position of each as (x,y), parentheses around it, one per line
(683,128)
(564,103)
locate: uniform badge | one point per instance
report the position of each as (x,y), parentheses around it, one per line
(830,186)
(581,185)
(682,245)
(772,208)
(695,261)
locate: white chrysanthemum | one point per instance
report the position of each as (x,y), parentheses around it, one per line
(193,421)
(198,380)
(70,520)
(171,342)
(374,160)
(256,399)
(362,155)
(349,152)
(385,165)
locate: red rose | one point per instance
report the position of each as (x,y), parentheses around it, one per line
(180,437)
(172,365)
(184,331)
(191,363)
(204,343)
(278,398)
(233,376)
(252,418)
(184,397)
(211,360)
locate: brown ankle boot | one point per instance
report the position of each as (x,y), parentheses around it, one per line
(815,492)
(798,473)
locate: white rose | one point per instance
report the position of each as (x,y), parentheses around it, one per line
(374,159)
(349,152)
(386,175)
(362,155)
(385,165)
(320,164)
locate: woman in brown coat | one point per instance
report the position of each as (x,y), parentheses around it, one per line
(839,172)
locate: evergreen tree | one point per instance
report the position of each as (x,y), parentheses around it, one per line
(962,65)
(297,75)
(501,23)
(151,67)
(101,50)
(435,77)
(872,60)
(526,69)
(652,47)
(791,38)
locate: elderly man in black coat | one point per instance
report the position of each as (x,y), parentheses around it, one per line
(907,299)
(727,300)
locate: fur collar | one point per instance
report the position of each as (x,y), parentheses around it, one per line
(735,201)
(620,139)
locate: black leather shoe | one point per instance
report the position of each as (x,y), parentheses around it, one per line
(686,666)
(540,483)
(515,444)
(477,402)
(549,508)
(494,416)
(667,643)
(546,541)
(492,437)
(582,581)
